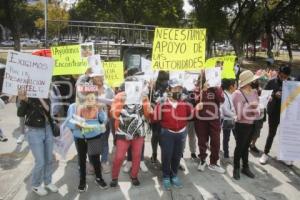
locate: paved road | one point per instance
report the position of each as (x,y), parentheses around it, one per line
(274,181)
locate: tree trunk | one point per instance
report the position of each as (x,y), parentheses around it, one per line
(270,40)
(247,50)
(254,50)
(289,48)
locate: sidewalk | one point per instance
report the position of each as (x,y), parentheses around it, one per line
(274,181)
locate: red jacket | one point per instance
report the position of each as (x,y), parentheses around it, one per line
(172,118)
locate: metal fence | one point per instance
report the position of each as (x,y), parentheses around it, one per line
(108,37)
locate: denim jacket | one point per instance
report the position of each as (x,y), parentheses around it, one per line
(100,124)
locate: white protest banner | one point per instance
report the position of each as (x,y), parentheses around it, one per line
(264,98)
(28,72)
(213,77)
(289,140)
(133,91)
(86,50)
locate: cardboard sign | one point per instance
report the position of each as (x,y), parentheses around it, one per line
(228,66)
(86,50)
(114,73)
(213,77)
(68,60)
(28,72)
(178,49)
(133,91)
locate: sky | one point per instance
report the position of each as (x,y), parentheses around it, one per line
(187,7)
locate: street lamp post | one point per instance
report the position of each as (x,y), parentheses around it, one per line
(46,23)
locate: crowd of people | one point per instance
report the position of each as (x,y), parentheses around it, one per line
(167,110)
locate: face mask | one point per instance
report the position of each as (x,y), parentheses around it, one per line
(176,95)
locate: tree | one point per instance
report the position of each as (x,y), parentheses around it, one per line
(209,14)
(11,15)
(58,20)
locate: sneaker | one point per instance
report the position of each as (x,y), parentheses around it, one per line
(264,159)
(216,168)
(167,183)
(202,165)
(3,138)
(193,156)
(82,186)
(254,149)
(51,187)
(226,160)
(41,191)
(248,173)
(143,167)
(127,167)
(176,182)
(105,167)
(135,181)
(20,139)
(101,183)
(114,183)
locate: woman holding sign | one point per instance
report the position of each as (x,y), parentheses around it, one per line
(88,123)
(173,116)
(130,110)
(40,140)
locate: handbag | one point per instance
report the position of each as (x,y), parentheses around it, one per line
(228,123)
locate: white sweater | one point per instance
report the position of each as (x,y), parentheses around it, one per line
(227,108)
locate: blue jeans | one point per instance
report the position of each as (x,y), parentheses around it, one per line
(41,144)
(171,151)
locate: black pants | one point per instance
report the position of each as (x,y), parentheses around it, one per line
(226,138)
(243,136)
(81,146)
(273,125)
(156,128)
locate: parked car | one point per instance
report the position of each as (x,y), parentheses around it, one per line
(30,43)
(7,43)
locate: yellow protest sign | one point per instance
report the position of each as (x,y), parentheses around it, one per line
(68,60)
(178,49)
(114,73)
(228,65)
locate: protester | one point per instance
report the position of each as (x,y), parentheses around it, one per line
(228,114)
(273,108)
(40,139)
(105,98)
(245,101)
(88,141)
(126,115)
(173,115)
(159,96)
(208,124)
(258,123)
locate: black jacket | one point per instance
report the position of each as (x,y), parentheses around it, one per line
(274,104)
(34,113)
